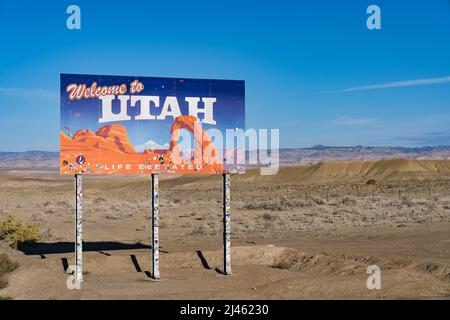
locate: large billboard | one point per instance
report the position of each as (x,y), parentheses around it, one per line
(138,125)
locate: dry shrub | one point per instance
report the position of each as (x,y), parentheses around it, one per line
(6,266)
(63,204)
(349,200)
(199,230)
(268,216)
(277,204)
(407,202)
(318,200)
(111,216)
(3,281)
(18,232)
(99,200)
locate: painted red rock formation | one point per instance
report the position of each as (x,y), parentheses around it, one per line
(204,147)
(117,134)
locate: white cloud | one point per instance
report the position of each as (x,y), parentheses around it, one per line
(404,83)
(151,145)
(350,121)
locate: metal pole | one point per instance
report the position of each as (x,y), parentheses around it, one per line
(226,224)
(79,228)
(155,226)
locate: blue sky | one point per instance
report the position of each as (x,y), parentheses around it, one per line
(297,59)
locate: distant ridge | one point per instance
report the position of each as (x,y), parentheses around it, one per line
(29,159)
(294,156)
(321,153)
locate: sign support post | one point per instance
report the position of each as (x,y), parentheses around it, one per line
(155,226)
(78,228)
(226,224)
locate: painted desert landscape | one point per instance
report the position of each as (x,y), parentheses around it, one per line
(309,232)
(109,151)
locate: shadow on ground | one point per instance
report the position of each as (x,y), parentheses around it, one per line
(69,247)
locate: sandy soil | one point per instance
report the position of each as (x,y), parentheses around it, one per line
(290,240)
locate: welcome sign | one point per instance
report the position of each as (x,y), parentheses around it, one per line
(134,125)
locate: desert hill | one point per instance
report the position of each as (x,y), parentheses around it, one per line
(341,172)
(348,171)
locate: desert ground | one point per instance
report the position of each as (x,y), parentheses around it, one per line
(309,232)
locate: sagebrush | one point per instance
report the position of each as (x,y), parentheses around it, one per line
(6,266)
(18,232)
